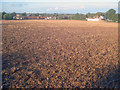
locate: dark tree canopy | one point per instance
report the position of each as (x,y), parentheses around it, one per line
(23,14)
(7,17)
(110,14)
(111,11)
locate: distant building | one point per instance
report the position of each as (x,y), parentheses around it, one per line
(48,18)
(17,18)
(17,15)
(25,17)
(28,14)
(101,18)
(109,20)
(30,17)
(92,19)
(54,18)
(14,17)
(65,17)
(43,17)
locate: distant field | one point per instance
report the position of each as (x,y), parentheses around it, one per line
(59,53)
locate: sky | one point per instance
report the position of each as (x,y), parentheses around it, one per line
(59,6)
(60,0)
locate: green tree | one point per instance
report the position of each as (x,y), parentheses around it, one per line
(114,17)
(90,15)
(3,13)
(36,14)
(110,14)
(60,16)
(24,14)
(98,14)
(55,14)
(82,17)
(7,17)
(13,14)
(76,16)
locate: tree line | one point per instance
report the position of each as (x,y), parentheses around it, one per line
(109,15)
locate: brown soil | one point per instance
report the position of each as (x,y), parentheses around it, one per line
(59,53)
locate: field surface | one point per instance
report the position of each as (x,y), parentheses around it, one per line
(59,53)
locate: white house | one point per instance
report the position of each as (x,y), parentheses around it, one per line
(101,18)
(47,18)
(92,19)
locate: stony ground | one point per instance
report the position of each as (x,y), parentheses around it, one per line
(59,53)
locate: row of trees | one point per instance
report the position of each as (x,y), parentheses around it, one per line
(110,14)
(8,16)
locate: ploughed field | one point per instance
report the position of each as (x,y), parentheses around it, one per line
(59,53)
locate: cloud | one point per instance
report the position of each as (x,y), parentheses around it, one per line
(56,8)
(82,7)
(49,9)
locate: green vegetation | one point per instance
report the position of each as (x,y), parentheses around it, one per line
(79,16)
(110,15)
(7,17)
(0,15)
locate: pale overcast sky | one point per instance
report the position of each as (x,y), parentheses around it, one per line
(60,0)
(59,6)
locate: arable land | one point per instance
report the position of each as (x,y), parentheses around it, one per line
(59,54)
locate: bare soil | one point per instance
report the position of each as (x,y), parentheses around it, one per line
(59,54)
